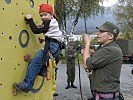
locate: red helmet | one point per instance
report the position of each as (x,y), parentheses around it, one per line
(46,8)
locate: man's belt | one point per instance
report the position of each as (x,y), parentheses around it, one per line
(106,95)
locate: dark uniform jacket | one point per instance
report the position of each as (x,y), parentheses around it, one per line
(71,55)
(70,64)
(106,63)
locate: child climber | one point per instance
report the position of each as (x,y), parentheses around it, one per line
(52,35)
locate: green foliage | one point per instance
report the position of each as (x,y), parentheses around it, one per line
(60,11)
(124,17)
(94,41)
(91,8)
(67,9)
(126,36)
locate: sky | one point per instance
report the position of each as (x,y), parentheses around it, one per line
(97,20)
(108,3)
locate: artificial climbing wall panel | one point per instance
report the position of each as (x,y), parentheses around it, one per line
(16,40)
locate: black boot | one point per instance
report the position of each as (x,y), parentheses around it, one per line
(72,85)
(68,86)
(55,94)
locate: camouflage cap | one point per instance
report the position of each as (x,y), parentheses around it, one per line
(109,27)
(71,43)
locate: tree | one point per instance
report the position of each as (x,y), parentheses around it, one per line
(60,12)
(68,9)
(124,17)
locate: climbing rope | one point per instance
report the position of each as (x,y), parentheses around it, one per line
(85,24)
(79,78)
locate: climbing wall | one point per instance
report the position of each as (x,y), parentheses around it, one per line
(17,40)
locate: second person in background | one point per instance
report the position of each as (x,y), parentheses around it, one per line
(71,53)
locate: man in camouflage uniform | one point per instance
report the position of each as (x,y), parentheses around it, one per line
(70,65)
(105,63)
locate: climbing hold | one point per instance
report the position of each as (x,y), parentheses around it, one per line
(27,57)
